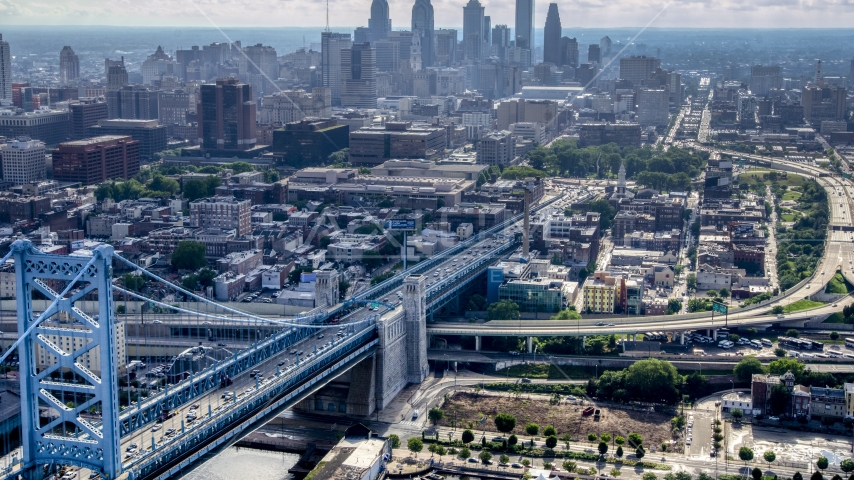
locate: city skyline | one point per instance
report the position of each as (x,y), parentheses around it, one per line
(351,13)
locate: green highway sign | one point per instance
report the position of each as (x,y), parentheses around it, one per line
(719,308)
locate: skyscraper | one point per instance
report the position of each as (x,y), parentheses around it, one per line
(379,23)
(473,30)
(764,78)
(259,67)
(568,52)
(525,24)
(359,76)
(851,75)
(638,70)
(422,22)
(819,79)
(551,36)
(605,47)
(5,70)
(23,161)
(226,116)
(594,53)
(501,40)
(69,65)
(330,62)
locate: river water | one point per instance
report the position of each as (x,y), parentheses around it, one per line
(245,464)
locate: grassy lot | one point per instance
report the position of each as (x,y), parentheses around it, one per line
(750,177)
(838,285)
(789,215)
(791,195)
(801,305)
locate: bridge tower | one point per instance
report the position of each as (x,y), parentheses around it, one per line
(67,363)
(415,309)
(326,288)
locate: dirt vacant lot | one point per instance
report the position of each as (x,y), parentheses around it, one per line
(468,407)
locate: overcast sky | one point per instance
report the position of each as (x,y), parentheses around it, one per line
(580,13)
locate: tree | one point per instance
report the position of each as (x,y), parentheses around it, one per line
(724,293)
(440,451)
(532,429)
(340,157)
(639,453)
(797,476)
(485,456)
(468,436)
(674,306)
(619,440)
(745,454)
(414,444)
(206,276)
(395,440)
(606,437)
(756,473)
(778,399)
(432,449)
(736,414)
(603,448)
(793,333)
(777,310)
(606,210)
(189,255)
(549,431)
(503,310)
(504,422)
(635,439)
(847,465)
(649,476)
(783,365)
(568,314)
(779,352)
(822,463)
(619,452)
(551,441)
(465,453)
(653,380)
(747,367)
(592,437)
(436,415)
(133,282)
(569,465)
(769,457)
(503,459)
(816,475)
(512,440)
(834,335)
(691,281)
(163,184)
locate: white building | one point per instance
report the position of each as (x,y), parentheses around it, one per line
(739,400)
(294,105)
(23,161)
(222,212)
(536,132)
(70,343)
(653,107)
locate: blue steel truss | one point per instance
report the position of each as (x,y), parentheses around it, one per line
(213,430)
(59,373)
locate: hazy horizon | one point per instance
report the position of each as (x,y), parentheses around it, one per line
(293,13)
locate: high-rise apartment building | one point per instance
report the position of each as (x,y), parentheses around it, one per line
(69,65)
(226,116)
(173,106)
(93,160)
(653,107)
(23,161)
(222,212)
(473,14)
(525,24)
(134,102)
(568,52)
(379,24)
(5,70)
(765,78)
(497,148)
(331,46)
(359,76)
(85,114)
(638,69)
(259,67)
(422,23)
(551,36)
